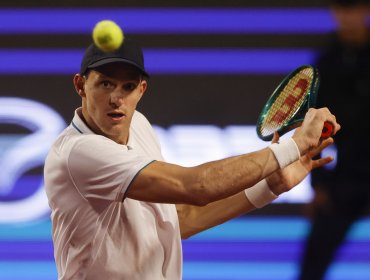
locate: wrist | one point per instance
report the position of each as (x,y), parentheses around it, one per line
(260,194)
(301,144)
(285,152)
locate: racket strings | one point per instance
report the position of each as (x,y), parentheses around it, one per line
(288,101)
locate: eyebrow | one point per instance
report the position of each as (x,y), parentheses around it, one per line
(129,77)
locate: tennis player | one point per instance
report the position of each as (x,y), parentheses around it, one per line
(119,210)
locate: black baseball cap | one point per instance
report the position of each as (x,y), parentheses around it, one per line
(128,53)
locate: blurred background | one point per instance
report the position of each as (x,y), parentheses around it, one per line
(213,64)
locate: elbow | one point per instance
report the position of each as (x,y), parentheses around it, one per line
(201,201)
(185,236)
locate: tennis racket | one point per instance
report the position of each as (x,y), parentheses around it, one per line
(286,107)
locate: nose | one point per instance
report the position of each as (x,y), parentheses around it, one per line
(116,99)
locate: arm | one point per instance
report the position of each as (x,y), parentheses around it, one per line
(200,185)
(195,219)
(209,182)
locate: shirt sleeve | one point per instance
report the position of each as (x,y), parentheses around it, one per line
(102,169)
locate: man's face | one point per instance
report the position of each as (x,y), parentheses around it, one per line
(110,95)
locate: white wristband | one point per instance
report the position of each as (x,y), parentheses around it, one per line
(260,194)
(285,152)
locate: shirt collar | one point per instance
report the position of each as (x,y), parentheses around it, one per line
(78,124)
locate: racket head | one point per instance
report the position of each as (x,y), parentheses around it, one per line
(287,105)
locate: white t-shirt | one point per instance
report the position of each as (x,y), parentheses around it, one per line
(97,232)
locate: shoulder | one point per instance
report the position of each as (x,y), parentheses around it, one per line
(71,141)
(141,125)
(140,119)
(143,135)
(94,145)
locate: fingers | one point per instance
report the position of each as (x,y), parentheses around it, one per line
(326,117)
(322,145)
(309,136)
(337,127)
(317,150)
(275,138)
(332,121)
(321,162)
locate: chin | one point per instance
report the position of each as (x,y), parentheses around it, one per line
(115,132)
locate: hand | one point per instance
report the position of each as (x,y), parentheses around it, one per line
(285,179)
(308,135)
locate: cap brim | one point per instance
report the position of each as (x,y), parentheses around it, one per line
(116,59)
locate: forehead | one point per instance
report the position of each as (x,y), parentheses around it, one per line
(120,71)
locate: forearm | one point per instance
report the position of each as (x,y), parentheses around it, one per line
(230,176)
(195,219)
(209,182)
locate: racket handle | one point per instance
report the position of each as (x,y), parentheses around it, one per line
(327,131)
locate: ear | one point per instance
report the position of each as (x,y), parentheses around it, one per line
(144,86)
(79,82)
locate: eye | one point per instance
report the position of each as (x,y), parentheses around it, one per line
(107,84)
(129,87)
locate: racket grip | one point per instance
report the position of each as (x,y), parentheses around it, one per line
(327,131)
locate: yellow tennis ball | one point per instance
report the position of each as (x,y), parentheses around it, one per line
(107,35)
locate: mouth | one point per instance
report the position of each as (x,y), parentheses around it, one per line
(116,116)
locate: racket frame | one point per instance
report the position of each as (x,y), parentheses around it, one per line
(297,117)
